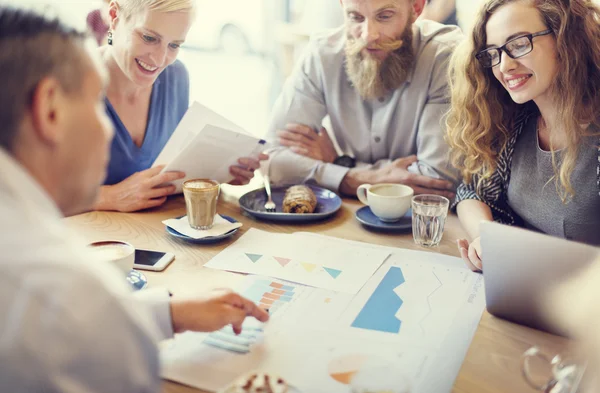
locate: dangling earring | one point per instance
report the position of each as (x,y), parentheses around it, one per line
(110,38)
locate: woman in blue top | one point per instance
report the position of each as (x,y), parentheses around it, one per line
(147,96)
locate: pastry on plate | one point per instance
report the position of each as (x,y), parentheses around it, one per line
(299,199)
(258,383)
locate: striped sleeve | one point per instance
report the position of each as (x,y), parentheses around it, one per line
(493,196)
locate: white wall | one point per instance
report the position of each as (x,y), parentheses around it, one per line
(73,12)
(467,10)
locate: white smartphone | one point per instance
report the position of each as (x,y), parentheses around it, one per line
(152,260)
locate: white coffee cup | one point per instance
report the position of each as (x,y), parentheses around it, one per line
(389,202)
(121,254)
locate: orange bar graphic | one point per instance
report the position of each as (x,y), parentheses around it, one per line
(276,285)
(278,291)
(267,301)
(271,296)
(344,378)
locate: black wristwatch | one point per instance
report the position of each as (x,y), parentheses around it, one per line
(345,160)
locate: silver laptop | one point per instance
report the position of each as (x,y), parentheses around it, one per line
(520,266)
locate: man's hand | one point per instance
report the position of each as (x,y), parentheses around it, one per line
(305,141)
(244,171)
(142,190)
(471,253)
(397,172)
(213,312)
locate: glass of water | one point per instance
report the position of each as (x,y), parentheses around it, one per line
(566,374)
(428,218)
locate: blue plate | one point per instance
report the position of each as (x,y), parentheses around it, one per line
(365,216)
(206,240)
(137,280)
(253,203)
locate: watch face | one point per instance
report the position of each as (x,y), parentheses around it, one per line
(346,161)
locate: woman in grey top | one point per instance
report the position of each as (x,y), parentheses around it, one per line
(523,124)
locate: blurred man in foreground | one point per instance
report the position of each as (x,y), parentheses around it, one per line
(68,323)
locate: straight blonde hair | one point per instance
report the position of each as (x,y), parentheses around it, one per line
(132,7)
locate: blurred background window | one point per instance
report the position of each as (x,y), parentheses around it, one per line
(238,52)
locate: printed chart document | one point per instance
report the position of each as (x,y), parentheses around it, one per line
(318,261)
(205,145)
(410,325)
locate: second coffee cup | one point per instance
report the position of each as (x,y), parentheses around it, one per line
(389,202)
(201,196)
(121,254)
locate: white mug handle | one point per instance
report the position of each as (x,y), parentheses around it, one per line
(361,193)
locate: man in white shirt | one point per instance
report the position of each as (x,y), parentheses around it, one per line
(381,79)
(69,323)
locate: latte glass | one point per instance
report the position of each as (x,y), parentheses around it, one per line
(201,196)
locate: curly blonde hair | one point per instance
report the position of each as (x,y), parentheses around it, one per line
(482,113)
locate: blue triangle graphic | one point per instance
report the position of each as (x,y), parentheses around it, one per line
(254,257)
(333,272)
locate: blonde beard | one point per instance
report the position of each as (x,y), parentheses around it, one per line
(373,78)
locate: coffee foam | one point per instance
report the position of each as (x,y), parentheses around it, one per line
(111,251)
(199,184)
(391,191)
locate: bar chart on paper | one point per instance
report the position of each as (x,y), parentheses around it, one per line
(268,294)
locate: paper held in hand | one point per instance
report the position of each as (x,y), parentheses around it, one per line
(205,145)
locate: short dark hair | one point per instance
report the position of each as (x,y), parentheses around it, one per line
(33,47)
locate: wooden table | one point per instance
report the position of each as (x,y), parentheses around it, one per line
(492,362)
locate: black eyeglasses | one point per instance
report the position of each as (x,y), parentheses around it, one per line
(515,48)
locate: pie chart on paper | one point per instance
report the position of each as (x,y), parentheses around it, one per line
(343,368)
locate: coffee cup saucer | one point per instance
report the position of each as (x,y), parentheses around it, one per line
(137,280)
(365,216)
(204,240)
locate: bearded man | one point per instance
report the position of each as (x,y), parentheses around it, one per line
(381,78)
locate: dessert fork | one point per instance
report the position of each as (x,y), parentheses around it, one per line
(270,205)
